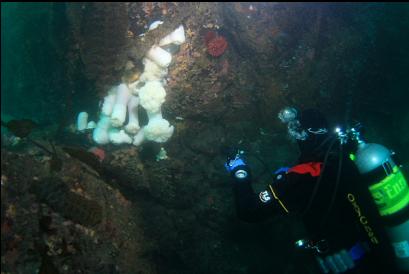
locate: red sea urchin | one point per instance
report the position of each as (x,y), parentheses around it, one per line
(216,45)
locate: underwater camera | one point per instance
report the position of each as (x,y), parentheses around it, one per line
(231,152)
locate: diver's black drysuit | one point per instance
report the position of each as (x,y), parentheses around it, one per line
(351,219)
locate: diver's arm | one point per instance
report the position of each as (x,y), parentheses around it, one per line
(288,192)
(252,207)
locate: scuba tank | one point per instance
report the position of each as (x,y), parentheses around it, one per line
(389,190)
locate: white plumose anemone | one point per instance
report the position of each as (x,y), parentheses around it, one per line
(158,130)
(152,72)
(109,101)
(100,134)
(160,56)
(133,123)
(123,101)
(118,137)
(82,121)
(177,37)
(152,96)
(118,115)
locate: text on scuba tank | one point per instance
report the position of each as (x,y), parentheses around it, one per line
(362,219)
(388,189)
(391,194)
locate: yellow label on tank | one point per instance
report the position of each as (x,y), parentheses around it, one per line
(391,194)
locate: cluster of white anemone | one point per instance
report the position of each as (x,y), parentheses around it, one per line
(122,102)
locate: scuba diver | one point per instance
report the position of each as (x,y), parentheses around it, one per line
(326,190)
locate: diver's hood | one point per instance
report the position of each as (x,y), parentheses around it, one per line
(310,130)
(317,141)
(313,121)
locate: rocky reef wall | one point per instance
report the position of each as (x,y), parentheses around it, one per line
(177,215)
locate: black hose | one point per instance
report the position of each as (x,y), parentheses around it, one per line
(318,148)
(317,184)
(335,191)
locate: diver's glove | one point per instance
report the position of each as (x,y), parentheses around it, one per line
(279,174)
(235,163)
